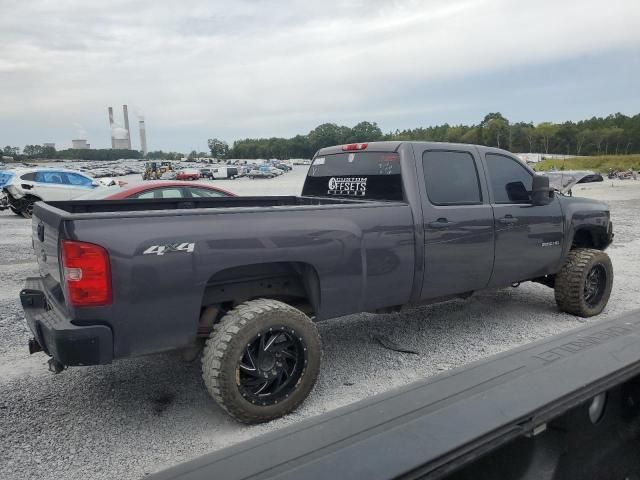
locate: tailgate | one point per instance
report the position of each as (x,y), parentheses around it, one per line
(45,232)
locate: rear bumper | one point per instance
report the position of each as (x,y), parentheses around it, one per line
(69,344)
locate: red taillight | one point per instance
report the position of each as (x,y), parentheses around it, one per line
(87,275)
(354,146)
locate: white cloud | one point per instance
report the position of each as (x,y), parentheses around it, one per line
(275,67)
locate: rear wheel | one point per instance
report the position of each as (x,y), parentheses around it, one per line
(583,285)
(27,207)
(262,360)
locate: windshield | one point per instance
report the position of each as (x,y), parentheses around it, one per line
(359,175)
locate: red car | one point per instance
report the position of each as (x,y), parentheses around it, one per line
(188,175)
(157,189)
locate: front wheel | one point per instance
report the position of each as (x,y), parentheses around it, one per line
(261,360)
(583,285)
(27,208)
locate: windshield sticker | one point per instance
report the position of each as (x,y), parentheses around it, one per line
(355,186)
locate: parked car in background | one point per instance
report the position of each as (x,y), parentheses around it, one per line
(225,172)
(158,189)
(168,176)
(206,173)
(188,174)
(283,166)
(263,171)
(21,188)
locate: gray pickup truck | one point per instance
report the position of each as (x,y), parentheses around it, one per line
(377,227)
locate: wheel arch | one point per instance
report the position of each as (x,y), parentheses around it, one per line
(590,236)
(295,283)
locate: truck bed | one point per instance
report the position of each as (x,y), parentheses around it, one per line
(135,205)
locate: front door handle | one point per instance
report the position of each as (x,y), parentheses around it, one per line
(441,223)
(26,186)
(508,220)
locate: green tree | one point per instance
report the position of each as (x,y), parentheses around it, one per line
(546,131)
(365,132)
(583,138)
(326,135)
(219,148)
(495,132)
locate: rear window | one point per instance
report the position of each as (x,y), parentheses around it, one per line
(358,175)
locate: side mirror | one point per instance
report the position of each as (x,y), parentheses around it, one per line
(95,183)
(541,193)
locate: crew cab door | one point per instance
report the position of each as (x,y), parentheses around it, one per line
(528,237)
(457,222)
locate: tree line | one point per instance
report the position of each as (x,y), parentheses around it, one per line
(39,152)
(615,134)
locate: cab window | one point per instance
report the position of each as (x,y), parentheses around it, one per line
(451,178)
(509,180)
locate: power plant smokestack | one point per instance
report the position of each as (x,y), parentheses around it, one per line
(126,125)
(113,144)
(143,136)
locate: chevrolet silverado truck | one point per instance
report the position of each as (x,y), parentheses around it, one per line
(377,227)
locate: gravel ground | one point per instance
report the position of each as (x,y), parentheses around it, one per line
(141,415)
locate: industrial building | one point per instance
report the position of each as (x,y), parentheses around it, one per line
(120,138)
(121,135)
(80,144)
(143,136)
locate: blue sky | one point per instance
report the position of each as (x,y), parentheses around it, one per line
(244,68)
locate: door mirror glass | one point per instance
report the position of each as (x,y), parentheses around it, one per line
(541,193)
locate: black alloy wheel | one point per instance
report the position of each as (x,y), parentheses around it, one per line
(595,285)
(271,366)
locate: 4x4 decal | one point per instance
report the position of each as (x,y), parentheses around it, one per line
(170,248)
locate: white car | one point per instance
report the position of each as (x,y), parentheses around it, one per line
(22,187)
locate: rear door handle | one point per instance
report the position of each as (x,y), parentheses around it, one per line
(508,219)
(441,223)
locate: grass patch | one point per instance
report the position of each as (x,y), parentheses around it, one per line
(597,164)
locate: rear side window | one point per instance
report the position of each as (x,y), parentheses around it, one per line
(358,175)
(451,178)
(51,177)
(158,193)
(205,193)
(510,182)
